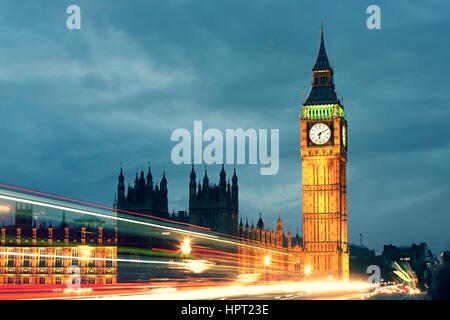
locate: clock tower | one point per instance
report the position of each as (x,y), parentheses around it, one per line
(323,149)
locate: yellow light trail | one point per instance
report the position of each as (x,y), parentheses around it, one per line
(248,290)
(193,265)
(81,211)
(56,256)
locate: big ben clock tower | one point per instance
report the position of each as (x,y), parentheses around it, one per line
(323,148)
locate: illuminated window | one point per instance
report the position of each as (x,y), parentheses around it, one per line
(41,280)
(42,259)
(75,258)
(58,280)
(10,260)
(109,262)
(91,263)
(26,261)
(58,260)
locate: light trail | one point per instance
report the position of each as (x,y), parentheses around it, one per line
(56,256)
(97,205)
(235,290)
(106,216)
(191,264)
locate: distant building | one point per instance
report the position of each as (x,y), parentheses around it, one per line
(180,216)
(416,256)
(47,254)
(214,206)
(143,197)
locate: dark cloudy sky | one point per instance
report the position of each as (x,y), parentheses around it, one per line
(75,104)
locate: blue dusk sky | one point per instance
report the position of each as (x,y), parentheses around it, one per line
(76,103)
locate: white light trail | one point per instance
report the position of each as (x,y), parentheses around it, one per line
(106,216)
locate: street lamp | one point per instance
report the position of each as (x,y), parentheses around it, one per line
(308,270)
(267,261)
(185,246)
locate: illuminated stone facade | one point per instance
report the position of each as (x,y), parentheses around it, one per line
(269,253)
(323,147)
(58,265)
(59,255)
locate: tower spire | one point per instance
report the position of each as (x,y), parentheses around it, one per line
(323,90)
(322,62)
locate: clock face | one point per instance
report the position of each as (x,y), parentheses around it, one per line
(320,133)
(344,136)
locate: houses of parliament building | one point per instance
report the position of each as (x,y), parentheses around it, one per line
(323,151)
(46,254)
(215,206)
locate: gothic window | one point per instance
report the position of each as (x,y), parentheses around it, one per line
(42,259)
(91,263)
(109,262)
(10,260)
(58,261)
(26,261)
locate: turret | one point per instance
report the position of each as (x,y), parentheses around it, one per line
(246,230)
(18,235)
(289,240)
(3,240)
(83,234)
(222,181)
(164,195)
(66,234)
(121,189)
(279,232)
(260,226)
(163,184)
(234,190)
(34,234)
(50,234)
(192,185)
(141,187)
(241,229)
(100,234)
(205,181)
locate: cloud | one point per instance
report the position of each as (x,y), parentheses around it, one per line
(75,104)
